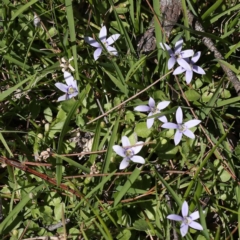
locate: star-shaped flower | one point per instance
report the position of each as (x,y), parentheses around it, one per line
(187,221)
(105,41)
(153,109)
(70,90)
(128,152)
(194,68)
(182,128)
(177,55)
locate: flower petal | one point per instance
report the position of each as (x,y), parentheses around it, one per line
(103,34)
(124,163)
(142,108)
(150,121)
(112,50)
(62,98)
(183,229)
(113,38)
(92,42)
(75,84)
(164,46)
(137,149)
(170,125)
(177,137)
(125,142)
(72,95)
(163,105)
(97,53)
(179,116)
(171,62)
(192,123)
(185,209)
(174,217)
(66,75)
(138,159)
(187,53)
(195,57)
(189,134)
(194,215)
(179,70)
(69,79)
(196,225)
(62,87)
(188,76)
(178,45)
(119,150)
(198,70)
(183,63)
(163,119)
(151,103)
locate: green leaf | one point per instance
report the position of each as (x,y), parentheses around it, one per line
(142,130)
(192,95)
(48,114)
(140,225)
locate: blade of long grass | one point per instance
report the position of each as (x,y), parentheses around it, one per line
(227,12)
(5,145)
(73,163)
(96,140)
(108,155)
(135,67)
(170,190)
(64,131)
(72,32)
(117,83)
(9,91)
(211,9)
(133,177)
(186,23)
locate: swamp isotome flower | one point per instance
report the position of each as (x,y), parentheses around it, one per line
(152,109)
(194,68)
(182,128)
(105,41)
(128,152)
(177,55)
(70,90)
(186,221)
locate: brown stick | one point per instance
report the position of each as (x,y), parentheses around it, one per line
(38,174)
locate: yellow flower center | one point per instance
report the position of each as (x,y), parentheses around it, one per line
(71,90)
(128,152)
(182,128)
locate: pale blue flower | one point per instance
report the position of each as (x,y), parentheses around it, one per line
(105,41)
(128,152)
(153,109)
(187,221)
(177,55)
(70,90)
(194,68)
(182,128)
